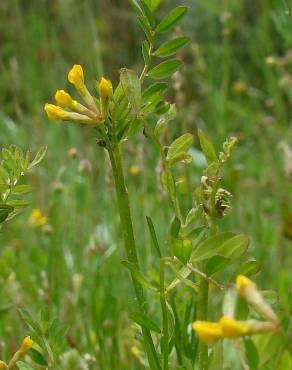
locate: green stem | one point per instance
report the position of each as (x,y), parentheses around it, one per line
(165,336)
(130,246)
(202,315)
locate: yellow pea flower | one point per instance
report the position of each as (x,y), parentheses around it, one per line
(208,332)
(135,351)
(248,290)
(55,112)
(26,344)
(76,77)
(2,365)
(105,89)
(232,328)
(106,92)
(64,100)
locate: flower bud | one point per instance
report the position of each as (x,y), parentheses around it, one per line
(26,344)
(248,290)
(54,112)
(64,100)
(76,77)
(105,89)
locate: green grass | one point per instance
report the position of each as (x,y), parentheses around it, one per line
(73,270)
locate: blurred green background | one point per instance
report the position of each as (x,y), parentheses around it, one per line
(236,80)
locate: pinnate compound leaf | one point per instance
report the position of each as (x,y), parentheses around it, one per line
(171,20)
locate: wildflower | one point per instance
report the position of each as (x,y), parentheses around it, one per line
(232,328)
(55,112)
(248,290)
(76,77)
(270,60)
(36,218)
(26,344)
(106,92)
(208,332)
(64,100)
(134,170)
(135,351)
(105,89)
(2,365)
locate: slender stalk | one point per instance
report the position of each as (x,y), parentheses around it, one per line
(164,317)
(130,246)
(202,315)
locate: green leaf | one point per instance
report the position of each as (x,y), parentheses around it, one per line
(179,146)
(140,278)
(146,52)
(39,157)
(175,227)
(157,87)
(235,247)
(251,353)
(171,19)
(168,183)
(165,69)
(132,88)
(248,268)
(148,13)
(209,247)
(163,121)
(145,26)
(215,264)
(37,357)
(4,188)
(21,189)
(144,321)
(207,147)
(182,249)
(30,322)
(153,236)
(171,47)
(5,210)
(8,159)
(18,203)
(136,6)
(23,366)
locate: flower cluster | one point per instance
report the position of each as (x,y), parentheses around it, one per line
(209,332)
(68,109)
(37,218)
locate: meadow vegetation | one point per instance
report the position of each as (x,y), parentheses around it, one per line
(151,227)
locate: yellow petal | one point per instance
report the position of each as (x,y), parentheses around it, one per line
(232,328)
(105,89)
(26,344)
(2,365)
(64,100)
(76,77)
(54,112)
(207,332)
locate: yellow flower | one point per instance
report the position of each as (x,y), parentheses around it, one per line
(36,218)
(26,344)
(232,328)
(248,290)
(208,332)
(76,77)
(243,283)
(105,89)
(64,100)
(2,365)
(55,112)
(135,351)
